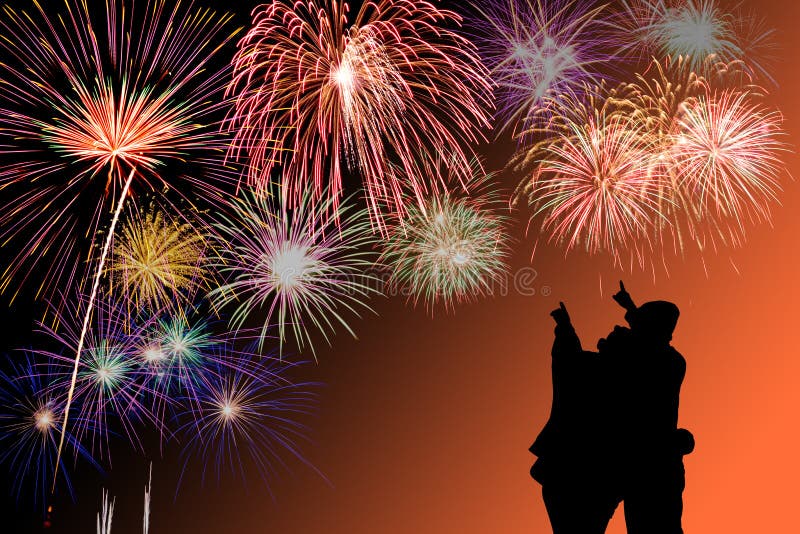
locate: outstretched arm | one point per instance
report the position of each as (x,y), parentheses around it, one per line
(566,339)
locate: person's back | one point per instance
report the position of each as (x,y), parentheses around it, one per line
(648,382)
(654,474)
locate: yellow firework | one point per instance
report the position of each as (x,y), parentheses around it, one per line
(158,261)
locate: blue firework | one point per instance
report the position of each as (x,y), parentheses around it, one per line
(248,416)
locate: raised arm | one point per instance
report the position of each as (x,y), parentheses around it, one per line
(566,339)
(624,299)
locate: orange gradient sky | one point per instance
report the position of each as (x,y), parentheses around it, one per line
(425,422)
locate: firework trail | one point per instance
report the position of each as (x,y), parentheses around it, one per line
(454,248)
(317,95)
(298,264)
(87,316)
(535,48)
(147,490)
(109,98)
(248,416)
(105,515)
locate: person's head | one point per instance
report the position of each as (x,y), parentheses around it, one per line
(654,321)
(614,341)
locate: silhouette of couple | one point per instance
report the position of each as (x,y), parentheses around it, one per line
(613,433)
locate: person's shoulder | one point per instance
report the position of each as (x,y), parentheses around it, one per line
(676,357)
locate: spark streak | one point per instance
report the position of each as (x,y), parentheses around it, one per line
(86,318)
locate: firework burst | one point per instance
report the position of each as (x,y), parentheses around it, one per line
(452,249)
(592,184)
(692,29)
(158,261)
(315,94)
(696,29)
(685,152)
(119,101)
(110,386)
(535,49)
(658,100)
(297,265)
(173,355)
(30,424)
(701,143)
(248,419)
(182,344)
(78,115)
(728,153)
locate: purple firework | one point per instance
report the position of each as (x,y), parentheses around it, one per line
(537,48)
(111,386)
(247,417)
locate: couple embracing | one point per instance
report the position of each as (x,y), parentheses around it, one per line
(613,434)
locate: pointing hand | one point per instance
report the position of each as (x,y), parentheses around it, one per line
(561,315)
(623,298)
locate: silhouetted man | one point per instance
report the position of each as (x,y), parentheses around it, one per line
(573,465)
(646,374)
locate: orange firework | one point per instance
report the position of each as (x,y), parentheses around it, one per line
(78,115)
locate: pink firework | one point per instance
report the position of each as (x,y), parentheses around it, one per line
(728,155)
(592,183)
(317,95)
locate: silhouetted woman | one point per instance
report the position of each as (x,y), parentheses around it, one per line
(572,461)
